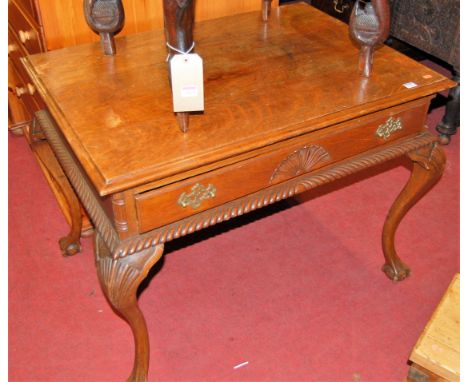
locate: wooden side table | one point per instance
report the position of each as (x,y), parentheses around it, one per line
(145,183)
(436,355)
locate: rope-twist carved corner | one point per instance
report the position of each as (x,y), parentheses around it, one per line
(99,218)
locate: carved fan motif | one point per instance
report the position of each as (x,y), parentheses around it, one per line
(299,162)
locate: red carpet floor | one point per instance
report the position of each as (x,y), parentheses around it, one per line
(295,290)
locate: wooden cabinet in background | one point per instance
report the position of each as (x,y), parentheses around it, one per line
(24,37)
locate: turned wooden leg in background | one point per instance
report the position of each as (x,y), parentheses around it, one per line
(451,120)
(428,166)
(120,278)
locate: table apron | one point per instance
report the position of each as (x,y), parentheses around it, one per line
(281,184)
(278,163)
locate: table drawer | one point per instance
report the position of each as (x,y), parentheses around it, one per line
(277,164)
(15,52)
(16,84)
(23,89)
(26,29)
(30,7)
(18,111)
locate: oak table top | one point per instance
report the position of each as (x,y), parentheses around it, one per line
(264,83)
(286,110)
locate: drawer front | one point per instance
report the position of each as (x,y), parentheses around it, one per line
(25,28)
(23,88)
(30,8)
(15,52)
(18,112)
(156,208)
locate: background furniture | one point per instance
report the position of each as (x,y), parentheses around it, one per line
(436,356)
(433,27)
(144,183)
(340,9)
(25,36)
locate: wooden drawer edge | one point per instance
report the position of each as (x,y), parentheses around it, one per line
(312,151)
(275,193)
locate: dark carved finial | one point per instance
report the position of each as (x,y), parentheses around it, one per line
(107,18)
(369,26)
(178,24)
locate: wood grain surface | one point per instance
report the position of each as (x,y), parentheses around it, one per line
(272,82)
(438,347)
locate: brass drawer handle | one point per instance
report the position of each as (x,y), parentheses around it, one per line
(25,36)
(388,128)
(198,194)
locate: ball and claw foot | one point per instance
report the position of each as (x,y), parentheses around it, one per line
(69,246)
(397,272)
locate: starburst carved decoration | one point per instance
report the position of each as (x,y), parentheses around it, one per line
(300,162)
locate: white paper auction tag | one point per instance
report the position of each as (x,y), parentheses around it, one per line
(187,82)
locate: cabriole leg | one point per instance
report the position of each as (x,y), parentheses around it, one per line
(119,280)
(428,166)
